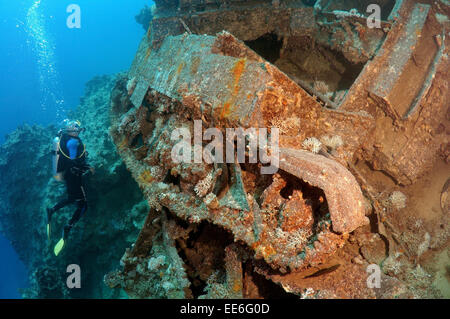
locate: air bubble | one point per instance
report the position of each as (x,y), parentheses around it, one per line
(51,92)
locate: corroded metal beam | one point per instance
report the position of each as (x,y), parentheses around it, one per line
(344,197)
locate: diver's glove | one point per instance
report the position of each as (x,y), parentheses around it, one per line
(75,170)
(80,170)
(89,172)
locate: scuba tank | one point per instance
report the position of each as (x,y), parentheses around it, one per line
(61,159)
(55,158)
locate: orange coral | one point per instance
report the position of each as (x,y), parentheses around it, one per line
(146,177)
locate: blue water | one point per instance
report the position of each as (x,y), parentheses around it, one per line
(13,274)
(44,66)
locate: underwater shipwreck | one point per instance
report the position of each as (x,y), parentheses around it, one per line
(364,150)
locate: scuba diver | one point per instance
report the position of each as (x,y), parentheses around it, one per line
(69,164)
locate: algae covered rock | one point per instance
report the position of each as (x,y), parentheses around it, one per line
(112,221)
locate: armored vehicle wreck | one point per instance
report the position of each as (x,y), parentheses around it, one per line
(363,119)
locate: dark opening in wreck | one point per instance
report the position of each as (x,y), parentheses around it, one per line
(204,254)
(322,71)
(268,46)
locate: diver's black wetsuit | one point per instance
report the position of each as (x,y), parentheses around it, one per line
(72,162)
(76,194)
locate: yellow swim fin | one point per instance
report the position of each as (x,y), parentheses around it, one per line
(59,246)
(49,230)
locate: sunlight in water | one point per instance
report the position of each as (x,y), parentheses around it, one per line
(44,49)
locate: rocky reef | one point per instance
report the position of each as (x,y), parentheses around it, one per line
(362,178)
(116,207)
